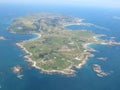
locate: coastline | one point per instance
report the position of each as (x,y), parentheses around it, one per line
(68,71)
(85,54)
(34,64)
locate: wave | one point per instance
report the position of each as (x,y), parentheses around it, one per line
(96,26)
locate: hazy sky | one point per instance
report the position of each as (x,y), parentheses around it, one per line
(99,3)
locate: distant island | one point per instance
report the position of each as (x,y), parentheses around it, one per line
(17,70)
(57,49)
(2,38)
(99,71)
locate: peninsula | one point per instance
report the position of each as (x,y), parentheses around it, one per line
(58,49)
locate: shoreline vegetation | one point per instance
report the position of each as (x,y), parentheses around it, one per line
(67,71)
(56,49)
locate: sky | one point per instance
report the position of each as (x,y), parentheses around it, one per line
(96,3)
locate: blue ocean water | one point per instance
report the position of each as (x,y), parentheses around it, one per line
(85,78)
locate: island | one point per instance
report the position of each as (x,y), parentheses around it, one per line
(102,58)
(17,70)
(99,71)
(2,38)
(57,49)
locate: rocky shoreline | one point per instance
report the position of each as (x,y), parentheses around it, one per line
(99,71)
(69,71)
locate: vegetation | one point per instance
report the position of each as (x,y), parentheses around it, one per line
(58,48)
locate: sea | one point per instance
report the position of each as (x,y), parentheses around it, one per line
(100,21)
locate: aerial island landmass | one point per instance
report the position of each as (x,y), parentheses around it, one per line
(57,49)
